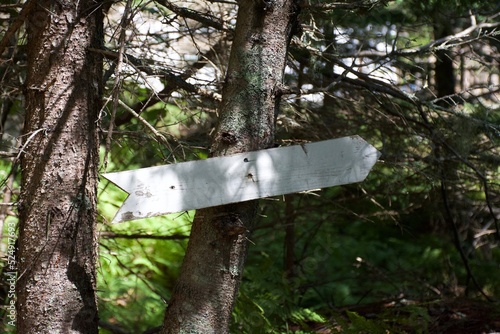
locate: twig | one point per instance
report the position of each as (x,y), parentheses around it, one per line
(117,86)
(151,128)
(112,235)
(169,76)
(31,136)
(205,19)
(4,154)
(18,22)
(456,237)
(353,5)
(11,6)
(444,43)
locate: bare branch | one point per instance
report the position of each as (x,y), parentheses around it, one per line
(360,4)
(4,154)
(447,42)
(118,80)
(167,74)
(18,22)
(113,235)
(203,18)
(161,138)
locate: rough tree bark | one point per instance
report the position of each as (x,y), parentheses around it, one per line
(206,290)
(57,206)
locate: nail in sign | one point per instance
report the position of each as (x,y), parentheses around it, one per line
(156,191)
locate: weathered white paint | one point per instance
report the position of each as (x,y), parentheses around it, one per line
(191,185)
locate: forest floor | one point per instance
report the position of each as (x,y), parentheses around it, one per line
(444,316)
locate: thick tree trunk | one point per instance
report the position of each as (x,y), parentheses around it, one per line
(57,207)
(205,293)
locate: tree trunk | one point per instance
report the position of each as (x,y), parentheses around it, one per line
(206,290)
(57,206)
(444,73)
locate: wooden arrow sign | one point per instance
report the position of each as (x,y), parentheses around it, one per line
(241,177)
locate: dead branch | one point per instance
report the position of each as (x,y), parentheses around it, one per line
(353,5)
(463,37)
(18,22)
(188,13)
(161,138)
(141,65)
(113,235)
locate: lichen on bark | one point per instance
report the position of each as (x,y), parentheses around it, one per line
(219,236)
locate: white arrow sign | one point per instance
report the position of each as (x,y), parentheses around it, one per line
(241,177)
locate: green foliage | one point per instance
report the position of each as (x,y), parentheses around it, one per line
(137,273)
(360,324)
(345,261)
(398,320)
